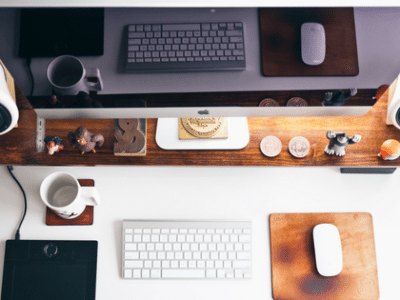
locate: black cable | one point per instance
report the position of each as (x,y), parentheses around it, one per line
(17,235)
(28,63)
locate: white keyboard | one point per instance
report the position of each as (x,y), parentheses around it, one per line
(186,249)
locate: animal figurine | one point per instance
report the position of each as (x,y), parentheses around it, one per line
(53,144)
(84,140)
(338,142)
(390,150)
(338,98)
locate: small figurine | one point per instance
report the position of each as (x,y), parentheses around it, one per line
(84,140)
(55,103)
(390,150)
(338,98)
(53,144)
(338,142)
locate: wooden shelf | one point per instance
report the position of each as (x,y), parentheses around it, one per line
(18,146)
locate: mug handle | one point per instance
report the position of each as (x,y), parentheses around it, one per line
(94,86)
(90,195)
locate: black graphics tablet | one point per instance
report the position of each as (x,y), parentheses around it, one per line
(51,270)
(50,32)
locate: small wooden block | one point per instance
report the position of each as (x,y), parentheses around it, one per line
(130,137)
(86,218)
(294,273)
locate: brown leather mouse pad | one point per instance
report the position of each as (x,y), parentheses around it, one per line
(281,41)
(294,274)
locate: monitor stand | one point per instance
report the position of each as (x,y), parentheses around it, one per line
(167,136)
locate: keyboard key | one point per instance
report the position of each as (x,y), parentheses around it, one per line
(134,41)
(128,273)
(183,273)
(133,264)
(155,273)
(233,33)
(132,35)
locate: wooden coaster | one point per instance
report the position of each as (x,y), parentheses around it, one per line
(294,274)
(86,218)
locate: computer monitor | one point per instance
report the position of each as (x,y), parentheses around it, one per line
(241,83)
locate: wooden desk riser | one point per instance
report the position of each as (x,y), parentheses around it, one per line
(18,146)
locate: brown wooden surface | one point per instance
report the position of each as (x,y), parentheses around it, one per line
(281,41)
(85,218)
(18,146)
(294,274)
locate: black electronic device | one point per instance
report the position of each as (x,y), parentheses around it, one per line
(50,32)
(49,269)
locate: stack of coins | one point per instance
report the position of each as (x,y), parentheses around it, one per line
(271,146)
(299,147)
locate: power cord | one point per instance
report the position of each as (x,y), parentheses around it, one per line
(17,235)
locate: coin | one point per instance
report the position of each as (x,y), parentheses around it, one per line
(296,101)
(268,102)
(271,146)
(299,146)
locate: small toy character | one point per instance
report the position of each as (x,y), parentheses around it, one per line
(55,103)
(338,142)
(53,144)
(390,150)
(338,98)
(84,140)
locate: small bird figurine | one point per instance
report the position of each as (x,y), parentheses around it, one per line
(390,150)
(53,144)
(84,140)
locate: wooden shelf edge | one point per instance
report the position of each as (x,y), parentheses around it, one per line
(18,147)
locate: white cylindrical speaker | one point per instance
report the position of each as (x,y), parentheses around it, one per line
(8,108)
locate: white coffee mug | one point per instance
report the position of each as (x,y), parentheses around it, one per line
(62,193)
(68,76)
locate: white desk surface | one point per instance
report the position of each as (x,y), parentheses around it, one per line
(226,192)
(206,193)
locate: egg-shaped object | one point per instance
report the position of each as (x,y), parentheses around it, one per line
(390,150)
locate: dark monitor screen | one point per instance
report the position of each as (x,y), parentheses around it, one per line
(48,32)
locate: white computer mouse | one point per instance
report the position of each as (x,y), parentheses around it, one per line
(313,43)
(328,249)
